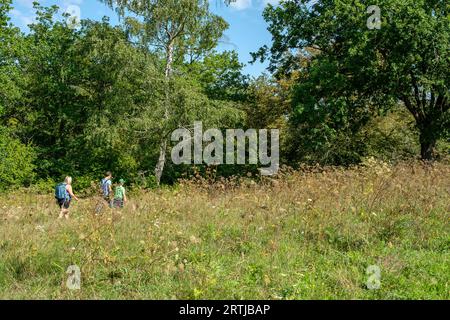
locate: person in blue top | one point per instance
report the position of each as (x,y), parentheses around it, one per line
(106,185)
(64,195)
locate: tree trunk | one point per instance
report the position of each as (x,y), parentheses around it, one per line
(163,144)
(427,138)
(169,59)
(427,146)
(161,161)
(428,126)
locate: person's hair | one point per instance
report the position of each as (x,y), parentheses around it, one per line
(108,173)
(68,180)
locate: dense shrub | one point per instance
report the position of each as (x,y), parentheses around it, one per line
(16,161)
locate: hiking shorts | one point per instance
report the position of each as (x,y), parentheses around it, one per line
(118,203)
(63,203)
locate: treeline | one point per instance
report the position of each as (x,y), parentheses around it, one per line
(95,97)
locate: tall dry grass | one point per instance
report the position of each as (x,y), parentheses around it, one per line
(304,234)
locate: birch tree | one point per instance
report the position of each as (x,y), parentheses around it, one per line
(177,28)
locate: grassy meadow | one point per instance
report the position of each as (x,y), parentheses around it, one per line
(308,234)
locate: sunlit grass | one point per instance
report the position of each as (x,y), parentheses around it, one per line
(309,234)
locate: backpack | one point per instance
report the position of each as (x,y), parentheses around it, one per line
(60,191)
(118,194)
(105,188)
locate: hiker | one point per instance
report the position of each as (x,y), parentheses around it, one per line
(107,188)
(120,197)
(64,195)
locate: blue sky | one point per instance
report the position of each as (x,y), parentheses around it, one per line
(247,32)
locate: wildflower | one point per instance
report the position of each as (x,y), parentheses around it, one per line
(194,240)
(266,280)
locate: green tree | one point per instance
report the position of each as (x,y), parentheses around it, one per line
(10,47)
(181,29)
(121,90)
(16,161)
(355,72)
(16,158)
(91,100)
(220,75)
(87,93)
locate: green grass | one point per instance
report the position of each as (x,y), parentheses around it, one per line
(307,235)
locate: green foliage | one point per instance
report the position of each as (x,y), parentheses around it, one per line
(44,186)
(82,101)
(221,76)
(90,100)
(96,88)
(103,97)
(16,161)
(187,25)
(391,137)
(179,30)
(9,72)
(350,73)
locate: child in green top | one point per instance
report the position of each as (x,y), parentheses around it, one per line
(120,196)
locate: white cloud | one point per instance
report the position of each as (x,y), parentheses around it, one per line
(241,4)
(24,12)
(67,3)
(247,4)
